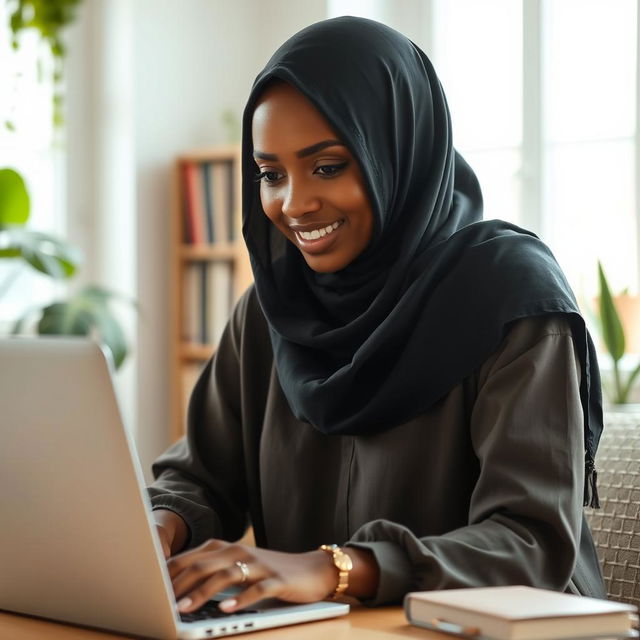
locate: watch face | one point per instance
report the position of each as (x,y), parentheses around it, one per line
(343,562)
(340,559)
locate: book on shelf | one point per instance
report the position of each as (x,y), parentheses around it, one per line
(519,613)
(203,307)
(206,169)
(207,300)
(220,201)
(219,298)
(231,203)
(208,201)
(210,266)
(193,204)
(190,324)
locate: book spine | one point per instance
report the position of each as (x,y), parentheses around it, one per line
(190,304)
(231,204)
(195,210)
(205,170)
(187,205)
(203,303)
(221,206)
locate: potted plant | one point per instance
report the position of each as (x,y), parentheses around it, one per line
(87,312)
(617,317)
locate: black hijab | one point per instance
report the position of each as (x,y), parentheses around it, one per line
(369,347)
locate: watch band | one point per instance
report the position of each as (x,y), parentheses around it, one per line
(343,564)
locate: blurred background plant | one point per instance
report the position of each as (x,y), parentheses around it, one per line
(89,311)
(615,339)
(49,18)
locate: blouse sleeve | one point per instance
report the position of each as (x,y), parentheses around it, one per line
(202,476)
(525,513)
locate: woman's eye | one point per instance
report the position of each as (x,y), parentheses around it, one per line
(268,176)
(330,170)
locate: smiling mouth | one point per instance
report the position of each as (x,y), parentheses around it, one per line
(316,234)
(318,240)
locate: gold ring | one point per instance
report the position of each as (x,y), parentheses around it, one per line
(245,570)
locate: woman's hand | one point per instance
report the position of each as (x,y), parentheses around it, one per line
(199,574)
(172,531)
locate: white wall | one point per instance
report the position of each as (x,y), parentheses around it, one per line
(147,80)
(100,151)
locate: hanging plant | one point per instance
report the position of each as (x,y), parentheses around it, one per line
(49,18)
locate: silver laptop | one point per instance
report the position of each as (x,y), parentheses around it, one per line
(77,540)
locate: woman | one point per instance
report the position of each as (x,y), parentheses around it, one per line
(403,379)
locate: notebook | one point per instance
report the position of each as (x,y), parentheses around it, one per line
(77,541)
(519,613)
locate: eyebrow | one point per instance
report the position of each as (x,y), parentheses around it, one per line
(302,153)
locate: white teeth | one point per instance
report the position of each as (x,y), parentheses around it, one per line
(318,233)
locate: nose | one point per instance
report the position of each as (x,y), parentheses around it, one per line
(300,198)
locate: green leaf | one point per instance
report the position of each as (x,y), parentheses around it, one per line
(10,252)
(87,313)
(15,21)
(612,332)
(57,48)
(48,18)
(112,336)
(14,199)
(9,126)
(64,318)
(106,295)
(42,251)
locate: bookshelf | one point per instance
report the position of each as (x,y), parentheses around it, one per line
(209,264)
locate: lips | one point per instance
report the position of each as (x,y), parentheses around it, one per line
(316,238)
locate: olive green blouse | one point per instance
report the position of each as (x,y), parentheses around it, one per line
(486,488)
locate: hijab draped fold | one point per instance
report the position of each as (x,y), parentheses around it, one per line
(378,343)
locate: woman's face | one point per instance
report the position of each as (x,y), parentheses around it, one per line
(311,187)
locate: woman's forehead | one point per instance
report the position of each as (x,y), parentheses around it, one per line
(282,112)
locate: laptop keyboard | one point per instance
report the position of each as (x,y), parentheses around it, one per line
(211,610)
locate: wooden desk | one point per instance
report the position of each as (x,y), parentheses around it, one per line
(361,624)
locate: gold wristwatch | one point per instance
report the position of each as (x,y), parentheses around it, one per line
(342,563)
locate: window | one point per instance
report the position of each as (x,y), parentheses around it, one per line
(543,102)
(478,57)
(589,138)
(25,101)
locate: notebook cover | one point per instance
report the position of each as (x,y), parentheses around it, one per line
(503,610)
